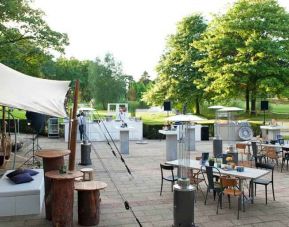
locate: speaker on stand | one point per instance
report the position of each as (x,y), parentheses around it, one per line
(264,107)
(37,122)
(167,106)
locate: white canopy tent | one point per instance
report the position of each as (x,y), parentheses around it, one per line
(32,94)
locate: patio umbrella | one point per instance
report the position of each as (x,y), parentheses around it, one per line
(185,118)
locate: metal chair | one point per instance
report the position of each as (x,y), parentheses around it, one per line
(171,178)
(257,157)
(264,181)
(285,157)
(211,172)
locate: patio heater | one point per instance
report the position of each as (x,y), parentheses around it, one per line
(217,141)
(184,193)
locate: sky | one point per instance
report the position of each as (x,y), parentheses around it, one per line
(134,31)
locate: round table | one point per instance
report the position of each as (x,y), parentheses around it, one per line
(88,201)
(52,160)
(61,193)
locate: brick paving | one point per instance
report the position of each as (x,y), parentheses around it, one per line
(142,192)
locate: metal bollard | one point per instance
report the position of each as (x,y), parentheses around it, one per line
(85,153)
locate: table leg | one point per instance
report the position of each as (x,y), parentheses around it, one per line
(48,165)
(62,203)
(88,207)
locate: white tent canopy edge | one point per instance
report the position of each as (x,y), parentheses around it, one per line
(29,93)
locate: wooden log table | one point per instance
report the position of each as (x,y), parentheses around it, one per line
(52,160)
(62,188)
(88,201)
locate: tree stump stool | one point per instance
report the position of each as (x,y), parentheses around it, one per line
(87,174)
(88,201)
(52,160)
(62,188)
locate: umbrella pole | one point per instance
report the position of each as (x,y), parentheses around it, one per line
(73,129)
(3,131)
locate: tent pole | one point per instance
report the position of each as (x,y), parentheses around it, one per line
(69,129)
(3,131)
(73,129)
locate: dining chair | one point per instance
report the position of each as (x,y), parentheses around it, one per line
(196,178)
(285,157)
(171,178)
(230,187)
(257,156)
(272,154)
(241,149)
(209,174)
(265,181)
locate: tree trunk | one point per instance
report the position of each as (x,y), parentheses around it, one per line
(197,106)
(247,96)
(253,101)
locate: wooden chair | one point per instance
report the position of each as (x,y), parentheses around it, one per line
(171,178)
(265,181)
(271,154)
(241,148)
(230,188)
(196,178)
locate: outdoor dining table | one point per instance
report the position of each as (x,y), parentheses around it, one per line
(249,173)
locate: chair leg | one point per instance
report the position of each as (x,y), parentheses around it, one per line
(287,164)
(218,203)
(273,191)
(239,206)
(172,185)
(229,199)
(282,164)
(206,197)
(266,193)
(214,195)
(243,202)
(161,188)
(255,189)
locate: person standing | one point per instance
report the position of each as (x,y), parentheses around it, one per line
(81,125)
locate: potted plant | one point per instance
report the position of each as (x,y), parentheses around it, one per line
(211,162)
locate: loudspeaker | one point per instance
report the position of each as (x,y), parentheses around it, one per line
(36,120)
(264,105)
(167,106)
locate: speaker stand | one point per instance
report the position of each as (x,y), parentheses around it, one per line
(264,118)
(35,144)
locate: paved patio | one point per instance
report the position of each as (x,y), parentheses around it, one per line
(142,192)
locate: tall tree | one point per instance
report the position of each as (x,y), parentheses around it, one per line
(176,69)
(106,81)
(246,52)
(25,38)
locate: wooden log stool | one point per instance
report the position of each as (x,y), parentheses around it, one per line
(52,160)
(62,193)
(88,201)
(87,174)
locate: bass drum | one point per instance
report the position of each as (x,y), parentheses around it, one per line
(245,133)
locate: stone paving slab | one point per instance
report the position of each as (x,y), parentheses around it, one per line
(142,191)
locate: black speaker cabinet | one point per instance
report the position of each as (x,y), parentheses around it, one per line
(264,105)
(36,120)
(167,106)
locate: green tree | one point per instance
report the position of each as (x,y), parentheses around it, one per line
(176,69)
(106,81)
(19,21)
(25,38)
(246,52)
